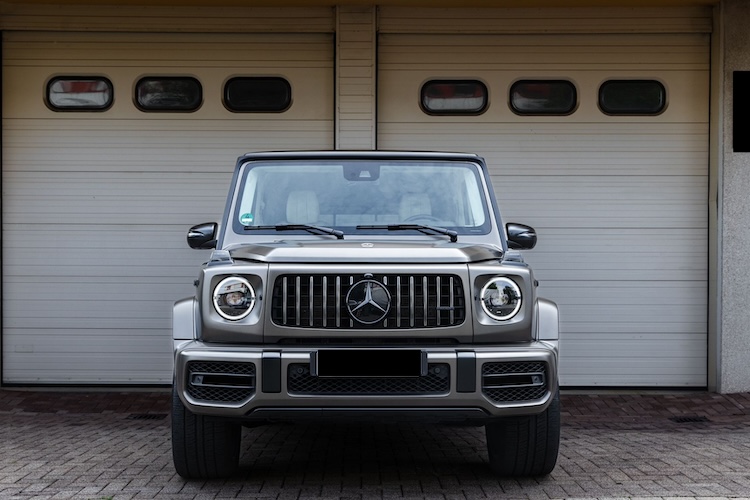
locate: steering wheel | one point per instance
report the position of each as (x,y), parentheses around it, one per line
(424,217)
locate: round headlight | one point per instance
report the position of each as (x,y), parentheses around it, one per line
(234,298)
(501,298)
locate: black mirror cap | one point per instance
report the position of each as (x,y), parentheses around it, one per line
(520,236)
(203,236)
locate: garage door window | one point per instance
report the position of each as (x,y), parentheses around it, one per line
(543,97)
(257,95)
(168,94)
(632,97)
(454,97)
(69,93)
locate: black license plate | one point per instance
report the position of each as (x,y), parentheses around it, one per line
(369,363)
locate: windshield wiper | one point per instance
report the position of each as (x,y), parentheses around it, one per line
(416,227)
(320,230)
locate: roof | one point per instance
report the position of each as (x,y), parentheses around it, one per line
(360,154)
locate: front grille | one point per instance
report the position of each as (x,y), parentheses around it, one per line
(437,381)
(513,382)
(220,381)
(319,301)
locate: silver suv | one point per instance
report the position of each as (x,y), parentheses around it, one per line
(376,285)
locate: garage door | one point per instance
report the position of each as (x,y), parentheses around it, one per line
(618,197)
(96,203)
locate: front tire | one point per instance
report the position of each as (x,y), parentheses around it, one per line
(203,447)
(526,445)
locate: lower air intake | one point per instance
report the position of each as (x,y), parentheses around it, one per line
(437,381)
(514,382)
(220,381)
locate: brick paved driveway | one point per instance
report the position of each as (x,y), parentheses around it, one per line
(117,445)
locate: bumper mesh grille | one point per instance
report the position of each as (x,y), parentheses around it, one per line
(220,381)
(513,382)
(417,301)
(437,381)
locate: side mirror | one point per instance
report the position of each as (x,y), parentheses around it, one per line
(203,236)
(520,236)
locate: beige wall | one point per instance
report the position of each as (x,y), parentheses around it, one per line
(355,25)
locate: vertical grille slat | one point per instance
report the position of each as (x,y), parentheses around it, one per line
(285,304)
(451,316)
(338,302)
(425,297)
(437,296)
(324,307)
(311,295)
(417,301)
(398,301)
(298,300)
(412,301)
(385,321)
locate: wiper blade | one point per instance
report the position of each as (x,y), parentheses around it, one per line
(320,230)
(416,227)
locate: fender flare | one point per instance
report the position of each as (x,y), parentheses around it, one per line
(548,320)
(184,320)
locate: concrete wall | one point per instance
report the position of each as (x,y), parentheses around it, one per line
(733,252)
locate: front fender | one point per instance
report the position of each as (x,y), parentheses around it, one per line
(548,320)
(184,321)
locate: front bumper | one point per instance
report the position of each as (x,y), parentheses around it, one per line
(453,383)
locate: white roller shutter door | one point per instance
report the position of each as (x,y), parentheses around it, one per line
(619,202)
(96,205)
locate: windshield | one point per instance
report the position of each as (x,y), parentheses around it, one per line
(361,197)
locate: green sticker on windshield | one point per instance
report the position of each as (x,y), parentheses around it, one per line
(246,219)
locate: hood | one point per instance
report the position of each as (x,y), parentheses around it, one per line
(377,251)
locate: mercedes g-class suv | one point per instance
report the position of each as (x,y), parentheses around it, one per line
(372,285)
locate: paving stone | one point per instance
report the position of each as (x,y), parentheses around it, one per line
(65,444)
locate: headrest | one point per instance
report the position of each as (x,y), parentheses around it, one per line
(414,204)
(302,207)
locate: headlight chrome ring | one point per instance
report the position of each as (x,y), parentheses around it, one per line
(501,298)
(234,298)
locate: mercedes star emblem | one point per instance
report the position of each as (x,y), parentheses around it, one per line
(368,301)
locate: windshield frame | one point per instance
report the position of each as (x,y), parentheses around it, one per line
(475,204)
